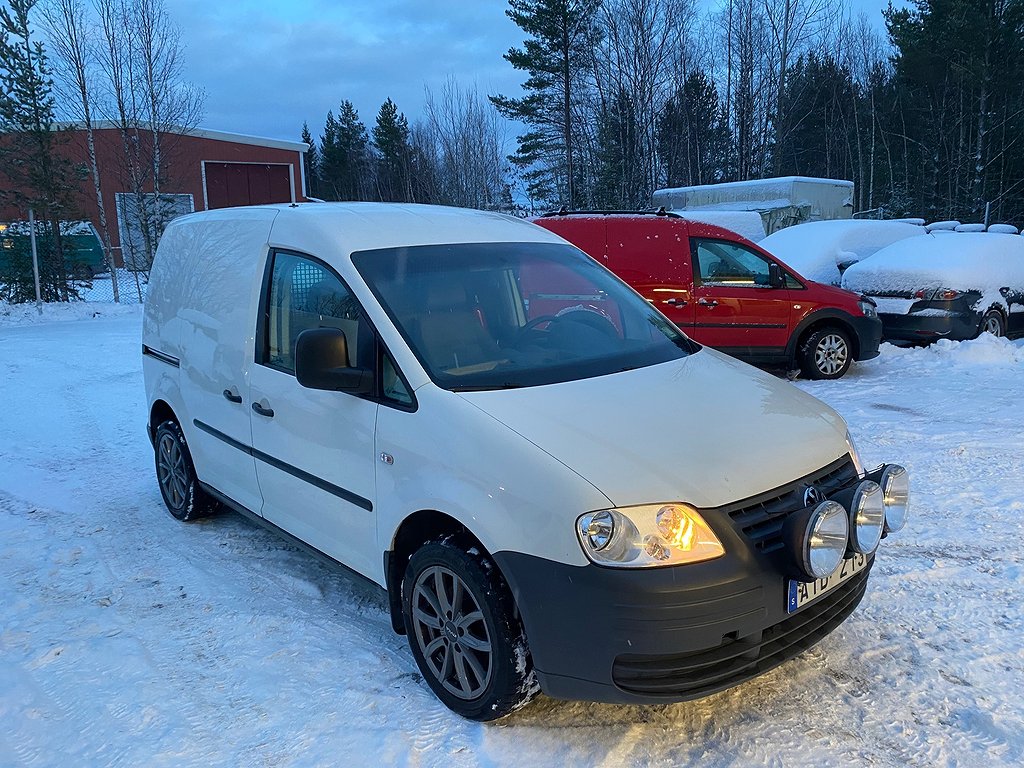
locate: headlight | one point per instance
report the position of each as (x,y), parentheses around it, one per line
(647,536)
(867,517)
(895,484)
(868,308)
(853,453)
(818,539)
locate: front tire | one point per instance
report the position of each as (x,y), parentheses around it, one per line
(176,475)
(465,634)
(826,354)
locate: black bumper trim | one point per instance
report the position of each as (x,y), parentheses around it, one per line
(735,661)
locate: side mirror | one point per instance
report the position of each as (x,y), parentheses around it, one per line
(321,362)
(776,278)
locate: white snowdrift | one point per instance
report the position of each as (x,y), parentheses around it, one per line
(816,249)
(21,314)
(979,261)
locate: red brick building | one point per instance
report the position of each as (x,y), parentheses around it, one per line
(201,170)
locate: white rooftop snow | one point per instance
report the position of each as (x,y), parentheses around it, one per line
(817,248)
(127,638)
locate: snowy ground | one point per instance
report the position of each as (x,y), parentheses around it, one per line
(127,638)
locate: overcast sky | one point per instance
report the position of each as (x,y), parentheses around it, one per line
(267,65)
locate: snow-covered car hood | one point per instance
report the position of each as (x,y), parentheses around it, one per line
(706,429)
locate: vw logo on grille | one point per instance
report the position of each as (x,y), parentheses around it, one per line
(812,496)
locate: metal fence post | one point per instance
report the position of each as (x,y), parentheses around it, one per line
(35,257)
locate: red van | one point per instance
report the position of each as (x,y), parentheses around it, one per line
(727,293)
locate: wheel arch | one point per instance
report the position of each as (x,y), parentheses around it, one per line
(159,412)
(1003,311)
(415,530)
(823,318)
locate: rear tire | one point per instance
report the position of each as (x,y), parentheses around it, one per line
(826,354)
(465,633)
(993,323)
(176,475)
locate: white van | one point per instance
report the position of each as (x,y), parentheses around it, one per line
(558,490)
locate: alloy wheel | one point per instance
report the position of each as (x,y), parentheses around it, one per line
(451,632)
(831,354)
(993,324)
(172,474)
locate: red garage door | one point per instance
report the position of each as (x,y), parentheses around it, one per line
(229,184)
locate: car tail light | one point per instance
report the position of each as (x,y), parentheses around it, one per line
(938,294)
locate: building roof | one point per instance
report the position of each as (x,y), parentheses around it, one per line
(202,133)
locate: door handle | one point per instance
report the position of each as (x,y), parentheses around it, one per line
(233,397)
(706,303)
(268,412)
(676,302)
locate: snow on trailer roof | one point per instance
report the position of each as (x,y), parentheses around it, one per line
(748,224)
(981,261)
(817,248)
(779,182)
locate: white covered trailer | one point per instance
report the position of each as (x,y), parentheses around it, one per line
(781,202)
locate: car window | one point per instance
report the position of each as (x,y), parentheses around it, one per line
(305,294)
(724,263)
(393,388)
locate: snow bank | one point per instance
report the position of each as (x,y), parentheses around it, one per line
(816,249)
(980,261)
(747,224)
(986,350)
(24,314)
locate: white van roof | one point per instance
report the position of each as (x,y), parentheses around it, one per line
(350,227)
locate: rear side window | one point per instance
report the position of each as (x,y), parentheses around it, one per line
(305,294)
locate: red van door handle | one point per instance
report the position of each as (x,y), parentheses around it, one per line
(676,302)
(706,303)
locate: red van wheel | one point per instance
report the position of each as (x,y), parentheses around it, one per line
(826,354)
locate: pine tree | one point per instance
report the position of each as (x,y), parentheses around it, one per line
(391,137)
(345,156)
(620,183)
(694,141)
(562,36)
(311,163)
(39,176)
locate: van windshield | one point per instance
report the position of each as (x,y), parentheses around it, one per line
(502,315)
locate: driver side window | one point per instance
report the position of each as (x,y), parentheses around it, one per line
(723,263)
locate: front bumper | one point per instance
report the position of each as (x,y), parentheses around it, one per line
(869,336)
(672,634)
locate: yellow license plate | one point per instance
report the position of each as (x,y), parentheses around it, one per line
(803,592)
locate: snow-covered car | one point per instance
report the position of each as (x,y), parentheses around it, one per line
(822,250)
(558,490)
(950,285)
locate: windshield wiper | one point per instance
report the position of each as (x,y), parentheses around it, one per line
(488,387)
